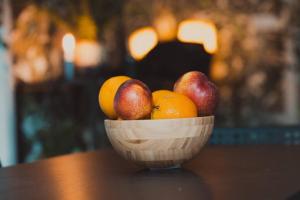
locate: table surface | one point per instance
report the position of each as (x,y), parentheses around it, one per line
(218,172)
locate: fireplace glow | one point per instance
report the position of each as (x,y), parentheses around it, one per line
(200,32)
(141,41)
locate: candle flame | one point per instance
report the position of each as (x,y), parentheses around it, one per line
(68,45)
(200,32)
(142,41)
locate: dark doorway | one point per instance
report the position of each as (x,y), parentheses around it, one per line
(165,63)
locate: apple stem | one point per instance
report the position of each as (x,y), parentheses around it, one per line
(156,107)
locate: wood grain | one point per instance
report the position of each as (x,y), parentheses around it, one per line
(247,172)
(159,143)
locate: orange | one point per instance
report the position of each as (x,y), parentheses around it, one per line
(169,105)
(107,94)
(161,93)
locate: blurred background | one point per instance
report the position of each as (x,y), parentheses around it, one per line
(54,56)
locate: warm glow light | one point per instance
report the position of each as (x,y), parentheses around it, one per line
(141,41)
(219,70)
(68,45)
(165,26)
(87,53)
(198,31)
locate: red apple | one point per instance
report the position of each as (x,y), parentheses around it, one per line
(200,90)
(133,100)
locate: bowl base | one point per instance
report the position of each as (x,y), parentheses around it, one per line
(178,166)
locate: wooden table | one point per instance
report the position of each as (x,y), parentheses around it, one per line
(219,172)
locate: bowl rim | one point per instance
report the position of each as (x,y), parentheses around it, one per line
(210,117)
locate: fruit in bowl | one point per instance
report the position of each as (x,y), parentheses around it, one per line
(107,94)
(170,105)
(163,128)
(200,90)
(133,100)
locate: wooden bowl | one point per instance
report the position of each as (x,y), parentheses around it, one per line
(159,143)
